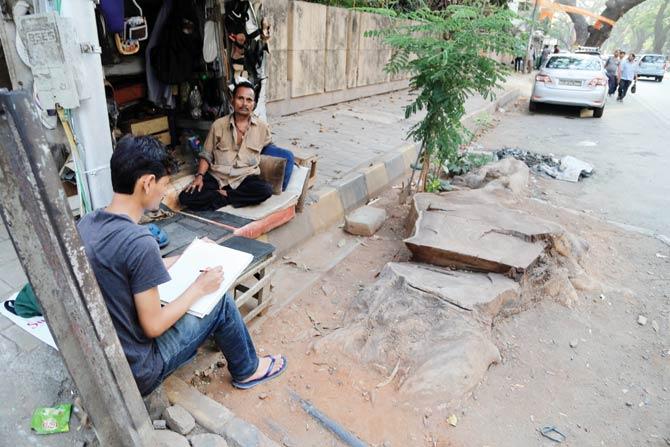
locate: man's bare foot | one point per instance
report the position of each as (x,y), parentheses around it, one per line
(264,364)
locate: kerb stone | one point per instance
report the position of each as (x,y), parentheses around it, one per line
(207,440)
(178,419)
(365,221)
(239,433)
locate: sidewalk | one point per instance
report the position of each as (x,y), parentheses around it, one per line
(361,150)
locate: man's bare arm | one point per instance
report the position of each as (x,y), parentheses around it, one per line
(156,319)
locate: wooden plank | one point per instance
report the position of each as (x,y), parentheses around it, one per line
(43,232)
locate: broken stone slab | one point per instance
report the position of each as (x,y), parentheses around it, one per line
(207,440)
(442,350)
(215,417)
(464,233)
(485,294)
(364,221)
(156,402)
(167,438)
(508,173)
(178,419)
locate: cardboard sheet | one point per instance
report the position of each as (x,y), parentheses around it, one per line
(35,326)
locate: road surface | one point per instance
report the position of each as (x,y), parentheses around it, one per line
(629,148)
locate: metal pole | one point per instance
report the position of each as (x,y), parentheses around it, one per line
(530,35)
(90,119)
(40,224)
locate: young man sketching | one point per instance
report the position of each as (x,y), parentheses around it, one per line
(128,266)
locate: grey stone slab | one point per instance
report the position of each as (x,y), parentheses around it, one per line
(7,252)
(365,221)
(353,190)
(5,323)
(13,275)
(23,340)
(5,290)
(167,438)
(178,419)
(207,440)
(395,166)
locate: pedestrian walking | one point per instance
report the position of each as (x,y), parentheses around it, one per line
(544,56)
(626,75)
(612,69)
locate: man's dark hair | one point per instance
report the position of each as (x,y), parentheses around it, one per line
(245,84)
(134,157)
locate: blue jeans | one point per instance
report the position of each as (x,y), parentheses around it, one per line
(611,78)
(276,151)
(179,344)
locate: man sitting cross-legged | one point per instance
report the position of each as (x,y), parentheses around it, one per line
(229,163)
(128,266)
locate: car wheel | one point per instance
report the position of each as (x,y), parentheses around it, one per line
(532,106)
(598,112)
(660,79)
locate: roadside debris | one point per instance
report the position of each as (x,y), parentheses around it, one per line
(641,320)
(553,434)
(568,168)
(452,420)
(364,221)
(48,420)
(332,426)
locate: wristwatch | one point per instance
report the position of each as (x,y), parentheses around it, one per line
(199,174)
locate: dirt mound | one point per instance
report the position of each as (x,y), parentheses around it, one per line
(431,325)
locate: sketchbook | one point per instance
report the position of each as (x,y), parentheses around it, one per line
(198,256)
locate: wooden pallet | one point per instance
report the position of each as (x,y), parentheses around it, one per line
(304,157)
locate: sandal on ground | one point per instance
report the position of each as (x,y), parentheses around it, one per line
(159,234)
(269,375)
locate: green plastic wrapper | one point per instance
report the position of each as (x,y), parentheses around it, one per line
(48,420)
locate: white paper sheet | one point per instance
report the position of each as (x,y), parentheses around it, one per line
(35,326)
(202,255)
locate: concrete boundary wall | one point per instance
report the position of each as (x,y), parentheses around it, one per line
(319,55)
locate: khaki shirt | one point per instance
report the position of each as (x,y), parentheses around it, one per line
(229,163)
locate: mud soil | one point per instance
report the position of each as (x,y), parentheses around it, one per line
(590,369)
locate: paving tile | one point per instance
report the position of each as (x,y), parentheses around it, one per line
(12,274)
(5,323)
(7,252)
(23,340)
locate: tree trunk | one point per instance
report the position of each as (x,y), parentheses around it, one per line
(614,10)
(579,22)
(660,31)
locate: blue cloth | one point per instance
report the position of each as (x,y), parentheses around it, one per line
(628,70)
(276,151)
(126,261)
(180,343)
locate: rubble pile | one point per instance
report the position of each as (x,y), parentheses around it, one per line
(567,168)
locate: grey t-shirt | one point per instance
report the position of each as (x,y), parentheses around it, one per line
(126,260)
(612,65)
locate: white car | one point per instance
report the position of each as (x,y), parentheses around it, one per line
(652,66)
(571,79)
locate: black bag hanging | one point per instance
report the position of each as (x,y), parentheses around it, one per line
(633,89)
(179,50)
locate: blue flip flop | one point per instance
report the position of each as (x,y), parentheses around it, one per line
(269,375)
(160,235)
